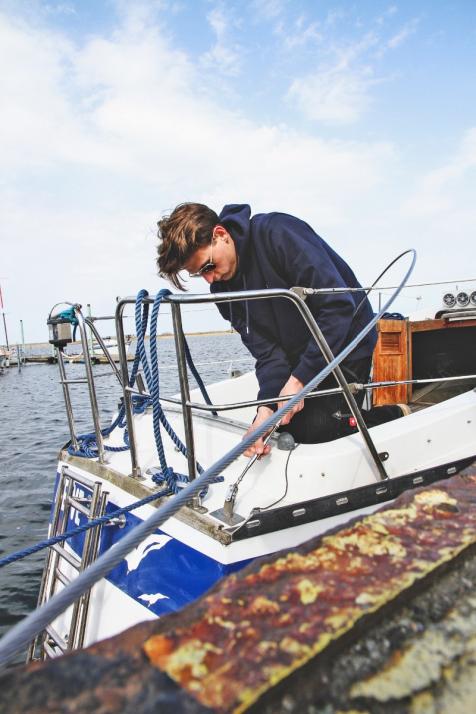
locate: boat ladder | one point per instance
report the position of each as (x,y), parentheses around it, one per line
(75,495)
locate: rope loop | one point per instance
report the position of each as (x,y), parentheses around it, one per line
(176,481)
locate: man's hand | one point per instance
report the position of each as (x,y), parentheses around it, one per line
(292,386)
(258,447)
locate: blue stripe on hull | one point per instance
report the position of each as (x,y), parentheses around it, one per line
(164,574)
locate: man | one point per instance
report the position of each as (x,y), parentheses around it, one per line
(235,251)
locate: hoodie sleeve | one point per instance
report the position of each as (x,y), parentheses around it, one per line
(272,367)
(302,258)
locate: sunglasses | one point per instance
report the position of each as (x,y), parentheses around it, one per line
(208,267)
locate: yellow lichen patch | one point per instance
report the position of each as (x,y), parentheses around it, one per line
(308,590)
(368,542)
(340,619)
(294,647)
(423,703)
(379,528)
(266,646)
(227,624)
(395,516)
(301,563)
(367,598)
(190,656)
(434,497)
(158,648)
(262,605)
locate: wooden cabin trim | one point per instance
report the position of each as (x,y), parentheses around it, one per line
(393,355)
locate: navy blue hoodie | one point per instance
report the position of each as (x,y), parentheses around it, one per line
(276,250)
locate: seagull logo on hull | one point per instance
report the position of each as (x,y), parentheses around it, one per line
(152,542)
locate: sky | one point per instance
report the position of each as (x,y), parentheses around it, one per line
(358,117)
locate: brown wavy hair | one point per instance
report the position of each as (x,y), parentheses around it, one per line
(188,227)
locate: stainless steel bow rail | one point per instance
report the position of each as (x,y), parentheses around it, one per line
(296,295)
(176,301)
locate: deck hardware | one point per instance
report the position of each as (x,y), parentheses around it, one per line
(342,501)
(384,455)
(253,524)
(381,490)
(300,292)
(418,479)
(232,520)
(140,383)
(232,492)
(119,521)
(299,512)
(286,441)
(451,470)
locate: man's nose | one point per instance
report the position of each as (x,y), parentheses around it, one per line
(209,277)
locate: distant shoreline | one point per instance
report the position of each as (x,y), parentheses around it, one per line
(160,336)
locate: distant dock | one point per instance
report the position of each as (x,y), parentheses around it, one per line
(41,352)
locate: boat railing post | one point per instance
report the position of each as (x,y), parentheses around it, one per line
(90,323)
(127,394)
(318,336)
(184,391)
(67,399)
(91,385)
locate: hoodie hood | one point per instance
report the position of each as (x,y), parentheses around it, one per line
(236,219)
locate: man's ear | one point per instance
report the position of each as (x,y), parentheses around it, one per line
(221,233)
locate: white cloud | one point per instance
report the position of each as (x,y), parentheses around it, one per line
(225,56)
(299,33)
(449,189)
(338,92)
(333,96)
(407,31)
(269,9)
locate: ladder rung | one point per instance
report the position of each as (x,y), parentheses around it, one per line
(78,506)
(73,381)
(71,559)
(56,638)
(59,575)
(49,650)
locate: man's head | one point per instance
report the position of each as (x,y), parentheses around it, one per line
(191,238)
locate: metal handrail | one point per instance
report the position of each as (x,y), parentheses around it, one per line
(354,386)
(176,301)
(318,336)
(84,322)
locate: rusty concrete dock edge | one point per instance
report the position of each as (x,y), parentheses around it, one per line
(377,616)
